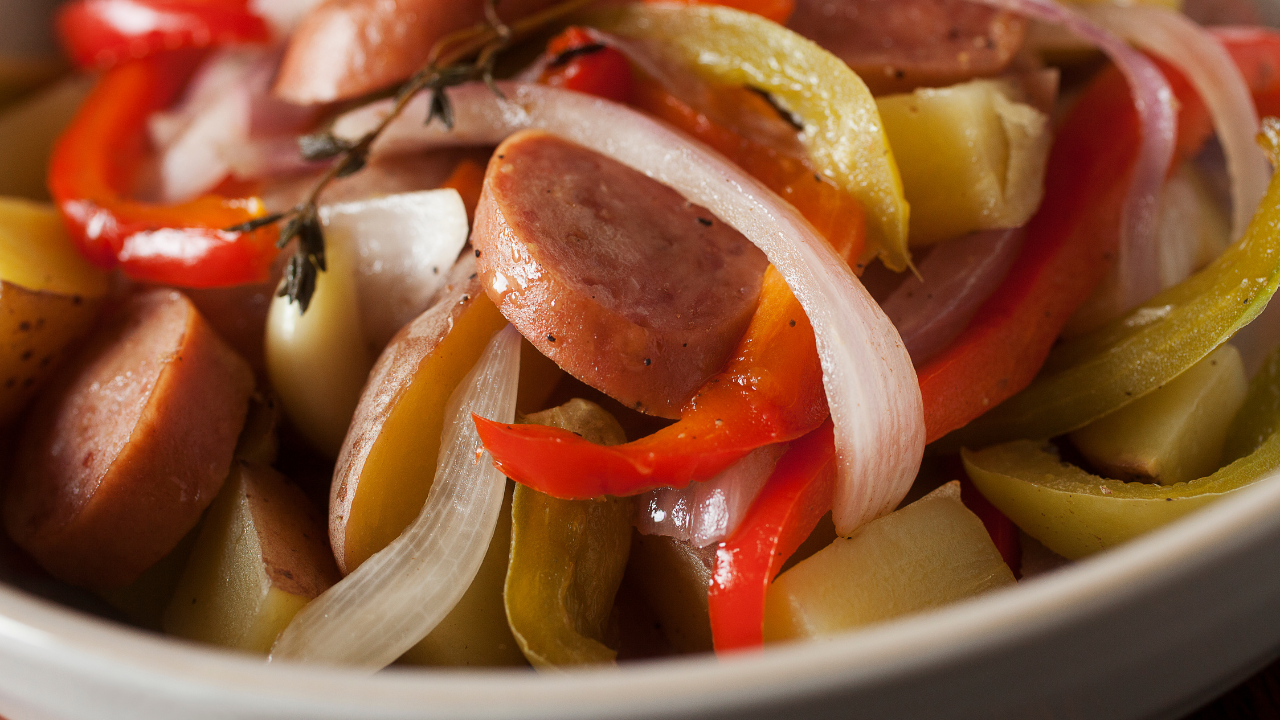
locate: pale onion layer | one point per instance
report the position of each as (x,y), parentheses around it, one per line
(1216,78)
(1153,98)
(372,616)
(955,279)
(709,511)
(870,383)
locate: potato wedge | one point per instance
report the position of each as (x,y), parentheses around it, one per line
(1172,434)
(930,553)
(972,157)
(260,557)
(388,460)
(49,295)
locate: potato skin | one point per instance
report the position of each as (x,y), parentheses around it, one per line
(129,445)
(35,330)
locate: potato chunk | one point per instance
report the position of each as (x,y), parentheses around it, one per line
(260,557)
(49,295)
(972,157)
(930,553)
(1174,433)
(388,460)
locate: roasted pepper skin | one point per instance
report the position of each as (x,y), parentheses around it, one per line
(796,497)
(567,558)
(104,33)
(92,172)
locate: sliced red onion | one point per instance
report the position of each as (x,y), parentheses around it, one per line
(1216,78)
(707,512)
(283,15)
(372,616)
(214,114)
(955,279)
(1153,98)
(871,385)
(404,246)
(228,123)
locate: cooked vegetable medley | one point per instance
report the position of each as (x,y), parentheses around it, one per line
(677,326)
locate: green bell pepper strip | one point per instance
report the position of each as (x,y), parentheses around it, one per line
(1075,513)
(1101,372)
(843,133)
(567,557)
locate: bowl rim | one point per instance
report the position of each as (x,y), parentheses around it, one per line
(38,631)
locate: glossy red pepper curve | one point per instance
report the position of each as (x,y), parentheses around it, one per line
(796,497)
(94,166)
(770,392)
(104,33)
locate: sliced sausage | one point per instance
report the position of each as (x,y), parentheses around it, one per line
(899,45)
(347,48)
(126,448)
(614,276)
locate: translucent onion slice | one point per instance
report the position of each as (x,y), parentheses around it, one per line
(871,385)
(1138,263)
(1217,79)
(955,279)
(707,512)
(372,616)
(404,246)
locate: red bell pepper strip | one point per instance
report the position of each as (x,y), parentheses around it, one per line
(796,497)
(771,392)
(581,64)
(94,164)
(778,11)
(1071,238)
(1256,52)
(104,33)
(1004,534)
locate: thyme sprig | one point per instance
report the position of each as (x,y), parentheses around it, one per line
(460,57)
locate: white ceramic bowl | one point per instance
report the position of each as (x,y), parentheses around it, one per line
(1151,629)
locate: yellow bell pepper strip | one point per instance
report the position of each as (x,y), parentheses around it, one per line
(1071,238)
(1075,513)
(770,392)
(796,497)
(843,134)
(567,557)
(1098,373)
(93,168)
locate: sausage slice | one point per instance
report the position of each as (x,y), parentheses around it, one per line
(899,45)
(614,276)
(347,48)
(123,452)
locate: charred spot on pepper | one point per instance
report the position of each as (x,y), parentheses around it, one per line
(24,326)
(568,56)
(551,338)
(705,222)
(788,116)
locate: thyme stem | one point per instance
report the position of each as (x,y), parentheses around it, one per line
(445,67)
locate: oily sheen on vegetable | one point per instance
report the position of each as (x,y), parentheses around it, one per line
(871,386)
(397,596)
